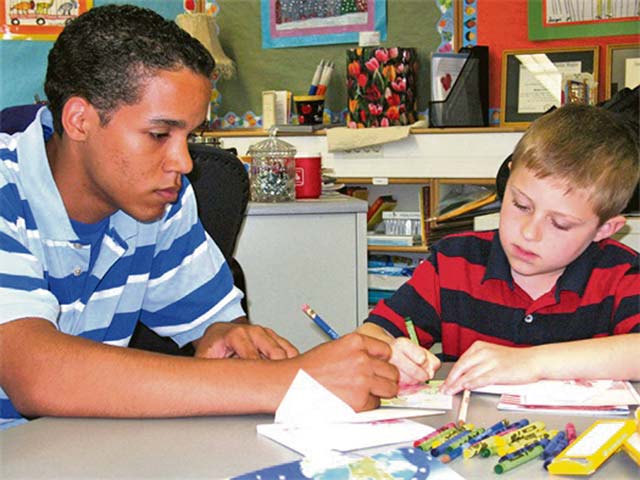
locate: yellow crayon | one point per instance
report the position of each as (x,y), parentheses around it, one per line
(474,449)
(444,436)
(526,440)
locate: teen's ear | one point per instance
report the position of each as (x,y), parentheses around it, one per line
(610,227)
(78,115)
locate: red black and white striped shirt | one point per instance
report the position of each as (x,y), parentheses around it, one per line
(465,292)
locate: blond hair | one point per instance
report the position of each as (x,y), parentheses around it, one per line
(587,148)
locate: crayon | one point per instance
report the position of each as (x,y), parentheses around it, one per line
(511,464)
(552,454)
(448,433)
(478,446)
(526,440)
(570,430)
(442,448)
(411,330)
(559,437)
(434,433)
(502,440)
(524,449)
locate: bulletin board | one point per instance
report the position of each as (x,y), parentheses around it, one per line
(410,23)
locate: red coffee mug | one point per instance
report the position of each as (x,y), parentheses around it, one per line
(308,175)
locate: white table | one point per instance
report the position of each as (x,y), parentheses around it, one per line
(219,447)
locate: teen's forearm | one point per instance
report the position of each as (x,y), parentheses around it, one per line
(46,372)
(616,357)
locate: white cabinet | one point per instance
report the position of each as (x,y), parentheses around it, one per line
(308,251)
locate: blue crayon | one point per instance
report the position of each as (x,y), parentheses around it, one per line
(560,446)
(560,436)
(443,446)
(453,453)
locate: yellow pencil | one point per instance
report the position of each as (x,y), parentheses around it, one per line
(464,406)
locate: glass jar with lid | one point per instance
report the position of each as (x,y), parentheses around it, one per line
(273,171)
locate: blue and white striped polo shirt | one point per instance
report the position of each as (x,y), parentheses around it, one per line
(167,273)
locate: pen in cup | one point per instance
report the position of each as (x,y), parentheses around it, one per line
(320,322)
(327,71)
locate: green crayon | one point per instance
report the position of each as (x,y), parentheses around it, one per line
(507,465)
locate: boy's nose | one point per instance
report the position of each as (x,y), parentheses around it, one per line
(532,229)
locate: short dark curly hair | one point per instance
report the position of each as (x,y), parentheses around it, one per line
(106,54)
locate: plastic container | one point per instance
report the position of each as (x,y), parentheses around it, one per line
(272,173)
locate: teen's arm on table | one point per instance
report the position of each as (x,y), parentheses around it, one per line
(49,373)
(615,357)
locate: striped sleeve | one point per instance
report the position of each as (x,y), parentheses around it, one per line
(23,284)
(419,299)
(190,284)
(626,313)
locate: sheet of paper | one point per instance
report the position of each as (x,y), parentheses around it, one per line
(570,392)
(421,396)
(310,439)
(307,402)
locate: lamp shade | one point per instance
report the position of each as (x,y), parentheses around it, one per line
(203,28)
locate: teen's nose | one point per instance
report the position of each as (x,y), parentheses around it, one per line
(178,159)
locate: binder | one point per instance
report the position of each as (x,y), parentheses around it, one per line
(467,104)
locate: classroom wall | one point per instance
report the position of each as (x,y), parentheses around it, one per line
(23,63)
(507,29)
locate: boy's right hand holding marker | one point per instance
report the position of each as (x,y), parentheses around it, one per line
(415,363)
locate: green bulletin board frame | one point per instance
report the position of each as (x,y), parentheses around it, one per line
(539,31)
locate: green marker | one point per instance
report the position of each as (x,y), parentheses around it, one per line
(507,465)
(412,331)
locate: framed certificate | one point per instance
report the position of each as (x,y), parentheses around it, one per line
(533,81)
(622,68)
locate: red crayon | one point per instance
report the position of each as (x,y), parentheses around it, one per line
(570,430)
(434,433)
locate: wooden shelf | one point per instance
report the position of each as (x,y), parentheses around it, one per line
(396,249)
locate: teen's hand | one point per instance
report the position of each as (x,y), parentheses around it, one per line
(354,367)
(224,340)
(416,364)
(487,363)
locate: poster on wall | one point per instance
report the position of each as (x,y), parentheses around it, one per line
(552,19)
(38,19)
(298,23)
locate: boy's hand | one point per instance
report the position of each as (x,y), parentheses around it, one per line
(416,364)
(224,340)
(355,368)
(486,363)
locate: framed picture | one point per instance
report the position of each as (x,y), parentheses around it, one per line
(292,23)
(553,19)
(622,68)
(533,81)
(41,20)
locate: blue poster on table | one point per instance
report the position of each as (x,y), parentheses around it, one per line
(401,464)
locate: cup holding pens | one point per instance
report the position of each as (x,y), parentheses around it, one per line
(309,109)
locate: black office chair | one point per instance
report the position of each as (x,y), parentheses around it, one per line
(221,186)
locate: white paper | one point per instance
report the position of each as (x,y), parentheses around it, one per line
(632,72)
(311,419)
(540,85)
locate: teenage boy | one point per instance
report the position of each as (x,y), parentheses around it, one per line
(98,229)
(547,295)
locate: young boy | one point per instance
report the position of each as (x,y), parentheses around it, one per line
(547,295)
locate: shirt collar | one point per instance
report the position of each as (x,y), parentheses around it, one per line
(574,278)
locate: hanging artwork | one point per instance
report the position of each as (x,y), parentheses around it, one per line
(38,19)
(297,23)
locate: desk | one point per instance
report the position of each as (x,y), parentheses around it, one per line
(218,447)
(308,251)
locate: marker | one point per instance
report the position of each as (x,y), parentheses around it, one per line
(324,78)
(526,457)
(321,323)
(411,330)
(316,78)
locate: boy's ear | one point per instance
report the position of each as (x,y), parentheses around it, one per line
(610,227)
(77,117)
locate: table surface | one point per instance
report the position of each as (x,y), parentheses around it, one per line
(219,447)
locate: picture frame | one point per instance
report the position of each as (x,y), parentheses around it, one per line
(622,68)
(44,20)
(532,80)
(550,19)
(288,23)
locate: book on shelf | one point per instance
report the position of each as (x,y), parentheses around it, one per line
(466,205)
(382,239)
(379,205)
